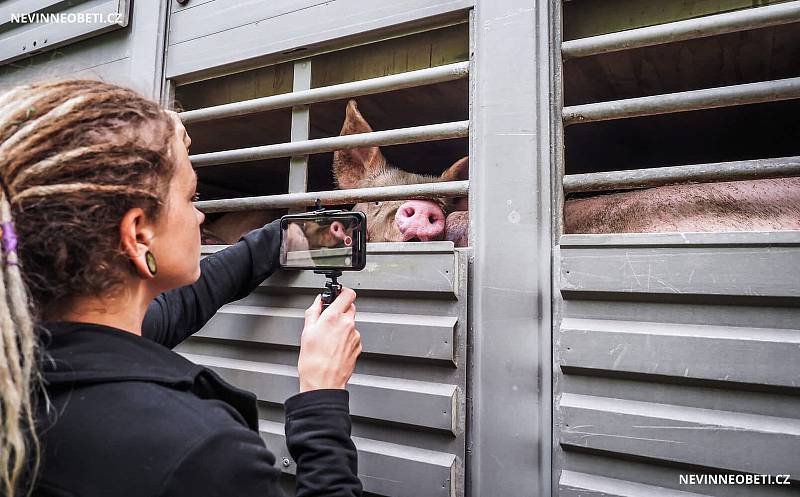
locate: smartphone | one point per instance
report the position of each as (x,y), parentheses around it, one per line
(324,240)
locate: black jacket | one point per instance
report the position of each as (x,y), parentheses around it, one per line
(129,417)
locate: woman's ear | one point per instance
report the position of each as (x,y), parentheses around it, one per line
(135,234)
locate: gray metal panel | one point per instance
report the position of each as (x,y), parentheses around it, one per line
(20,40)
(130,56)
(385,468)
(406,335)
(760,356)
(417,403)
(427,267)
(510,159)
(204,19)
(701,437)
(672,269)
(210,43)
(574,484)
(702,383)
(407,396)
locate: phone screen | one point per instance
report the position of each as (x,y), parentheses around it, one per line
(313,241)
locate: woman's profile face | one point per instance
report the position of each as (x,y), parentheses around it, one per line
(177,242)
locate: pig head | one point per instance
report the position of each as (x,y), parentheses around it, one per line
(399,220)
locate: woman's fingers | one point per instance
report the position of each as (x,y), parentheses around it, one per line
(343,301)
(351,312)
(330,344)
(313,312)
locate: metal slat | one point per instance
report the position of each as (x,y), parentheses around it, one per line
(755,271)
(699,240)
(397,335)
(416,134)
(323,27)
(406,272)
(385,468)
(395,400)
(444,189)
(710,98)
(575,484)
(409,79)
(760,356)
(679,434)
(695,173)
(434,266)
(729,22)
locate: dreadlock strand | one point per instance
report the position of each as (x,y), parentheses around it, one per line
(59,111)
(12,458)
(18,300)
(44,191)
(13,92)
(43,166)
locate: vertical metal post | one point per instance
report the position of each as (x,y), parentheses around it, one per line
(510,147)
(298,166)
(147,46)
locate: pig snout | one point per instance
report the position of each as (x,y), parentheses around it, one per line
(420,219)
(339,233)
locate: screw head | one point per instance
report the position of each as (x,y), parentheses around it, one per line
(286,462)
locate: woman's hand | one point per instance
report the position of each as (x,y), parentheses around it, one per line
(330,344)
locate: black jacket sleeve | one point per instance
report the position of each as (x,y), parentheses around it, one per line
(228,275)
(234,461)
(318,437)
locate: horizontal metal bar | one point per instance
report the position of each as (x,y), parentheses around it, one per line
(444,189)
(696,173)
(710,98)
(729,22)
(409,79)
(415,134)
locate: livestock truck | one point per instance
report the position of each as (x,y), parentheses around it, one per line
(648,358)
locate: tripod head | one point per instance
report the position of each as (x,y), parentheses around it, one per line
(332,286)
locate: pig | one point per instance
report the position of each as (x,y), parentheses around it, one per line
(399,220)
(229,227)
(752,205)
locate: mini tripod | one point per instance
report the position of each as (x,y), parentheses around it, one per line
(332,286)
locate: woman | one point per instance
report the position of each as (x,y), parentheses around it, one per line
(101,275)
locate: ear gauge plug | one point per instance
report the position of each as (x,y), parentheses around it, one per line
(150,259)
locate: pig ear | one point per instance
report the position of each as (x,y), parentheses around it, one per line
(353,165)
(458,171)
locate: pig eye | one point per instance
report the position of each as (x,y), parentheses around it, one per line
(377,203)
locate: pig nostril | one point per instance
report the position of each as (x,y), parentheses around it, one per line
(432,219)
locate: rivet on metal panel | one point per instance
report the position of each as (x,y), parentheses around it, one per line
(286,462)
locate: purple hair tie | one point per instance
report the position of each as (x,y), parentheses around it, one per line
(9,239)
